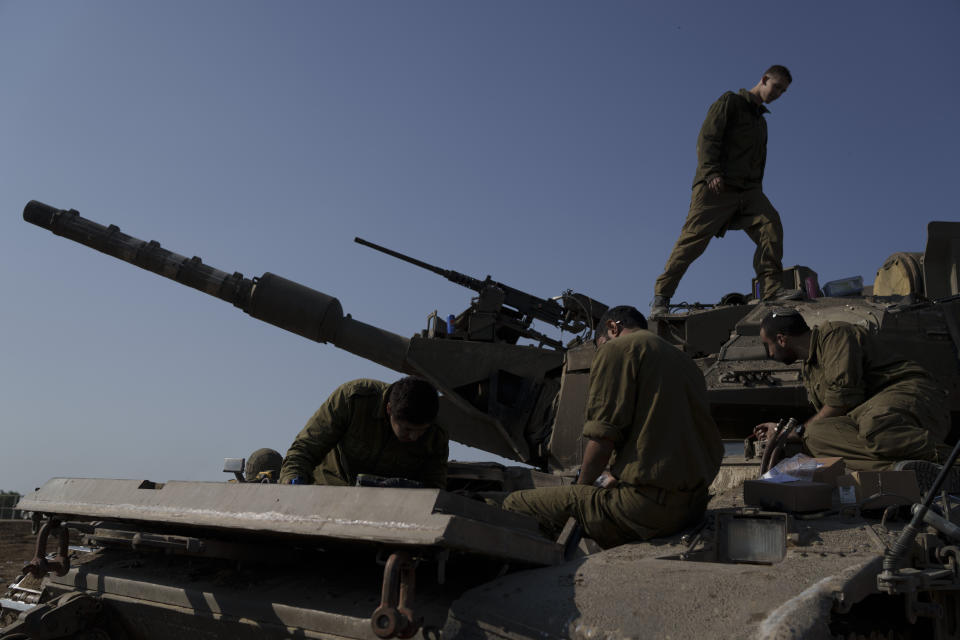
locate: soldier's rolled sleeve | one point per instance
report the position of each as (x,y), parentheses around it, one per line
(599,430)
(612,395)
(317,438)
(842,362)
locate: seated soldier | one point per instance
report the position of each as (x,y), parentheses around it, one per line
(647,404)
(874,408)
(371,427)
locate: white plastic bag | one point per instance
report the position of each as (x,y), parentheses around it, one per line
(799,467)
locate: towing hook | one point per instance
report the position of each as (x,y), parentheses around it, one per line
(394,618)
(39,566)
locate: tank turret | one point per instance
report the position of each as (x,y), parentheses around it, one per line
(497,395)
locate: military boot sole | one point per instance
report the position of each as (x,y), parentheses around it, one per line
(927,473)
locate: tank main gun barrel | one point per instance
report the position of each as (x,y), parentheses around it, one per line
(270,298)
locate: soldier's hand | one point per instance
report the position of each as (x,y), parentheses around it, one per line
(715,184)
(606,480)
(764,431)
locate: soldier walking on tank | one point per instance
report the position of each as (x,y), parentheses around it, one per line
(874,408)
(727,190)
(647,404)
(371,427)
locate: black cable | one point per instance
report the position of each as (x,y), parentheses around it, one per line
(891,559)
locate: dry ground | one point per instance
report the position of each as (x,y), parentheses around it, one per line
(17,546)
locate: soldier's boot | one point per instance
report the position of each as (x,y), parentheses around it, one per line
(927,473)
(659,307)
(784,294)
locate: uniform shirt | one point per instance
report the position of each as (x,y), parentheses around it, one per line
(351,434)
(847,365)
(733,142)
(650,399)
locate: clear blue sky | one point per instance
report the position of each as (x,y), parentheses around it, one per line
(549,144)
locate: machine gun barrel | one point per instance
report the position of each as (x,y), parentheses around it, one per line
(531,306)
(446,273)
(270,298)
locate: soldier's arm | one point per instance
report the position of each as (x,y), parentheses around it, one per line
(827,411)
(317,438)
(596,457)
(435,473)
(710,140)
(609,411)
(841,358)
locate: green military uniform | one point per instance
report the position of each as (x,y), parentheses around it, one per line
(732,145)
(351,434)
(900,412)
(650,399)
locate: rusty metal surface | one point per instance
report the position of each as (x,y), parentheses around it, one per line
(40,565)
(395,618)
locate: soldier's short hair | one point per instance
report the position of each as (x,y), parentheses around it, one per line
(627,316)
(789,322)
(779,70)
(413,400)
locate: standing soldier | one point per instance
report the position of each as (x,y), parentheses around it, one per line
(727,190)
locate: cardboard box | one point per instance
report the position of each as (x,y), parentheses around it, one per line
(796,496)
(832,469)
(889,487)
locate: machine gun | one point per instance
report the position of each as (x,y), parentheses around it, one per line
(502,313)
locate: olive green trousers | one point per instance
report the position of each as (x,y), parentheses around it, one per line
(610,517)
(711,215)
(903,422)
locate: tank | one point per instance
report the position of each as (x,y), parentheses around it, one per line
(136,559)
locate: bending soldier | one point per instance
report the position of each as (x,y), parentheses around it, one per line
(874,408)
(371,427)
(647,403)
(728,190)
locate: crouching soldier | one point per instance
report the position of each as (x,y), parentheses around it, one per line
(874,408)
(371,427)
